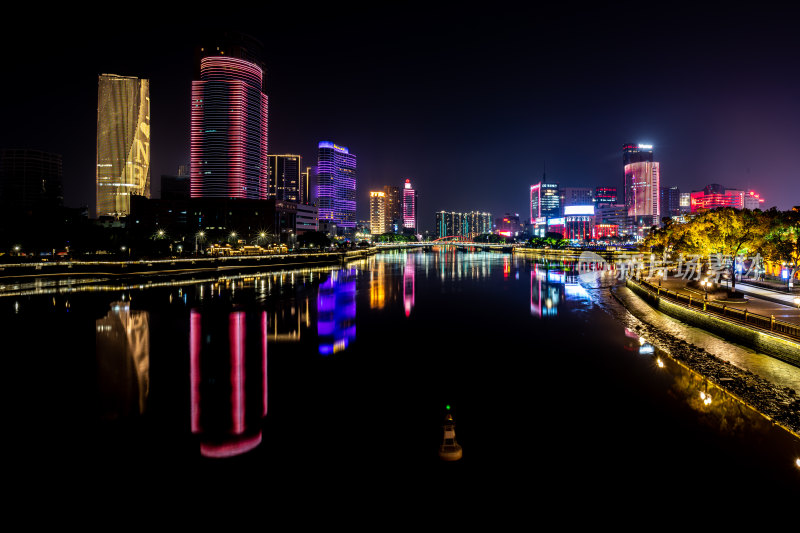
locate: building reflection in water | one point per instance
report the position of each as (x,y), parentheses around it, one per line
(547,291)
(408,284)
(336,311)
(377,285)
(228,360)
(122,348)
(283,328)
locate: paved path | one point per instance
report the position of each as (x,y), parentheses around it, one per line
(775,296)
(761,301)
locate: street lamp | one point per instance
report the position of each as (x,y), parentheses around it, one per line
(198,235)
(705,283)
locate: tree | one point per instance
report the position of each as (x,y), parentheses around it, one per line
(782,244)
(725,231)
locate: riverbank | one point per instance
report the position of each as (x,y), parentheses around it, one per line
(779,404)
(176,266)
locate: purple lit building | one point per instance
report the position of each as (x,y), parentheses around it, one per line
(336,186)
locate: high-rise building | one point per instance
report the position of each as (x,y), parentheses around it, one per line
(642,183)
(305,185)
(123,143)
(394,207)
(336,185)
(284,177)
(229,121)
(377,212)
(634,153)
(577,196)
(30,181)
(448,224)
(463,225)
(670,201)
(545,200)
(476,223)
(409,206)
(605,195)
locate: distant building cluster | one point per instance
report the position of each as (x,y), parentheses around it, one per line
(393,210)
(463,225)
(584,213)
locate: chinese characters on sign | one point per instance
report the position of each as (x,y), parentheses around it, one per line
(689,267)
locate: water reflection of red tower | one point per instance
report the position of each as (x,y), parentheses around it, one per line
(408,284)
(227,408)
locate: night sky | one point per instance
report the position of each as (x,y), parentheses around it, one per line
(469,104)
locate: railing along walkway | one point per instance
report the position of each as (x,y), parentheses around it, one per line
(743,316)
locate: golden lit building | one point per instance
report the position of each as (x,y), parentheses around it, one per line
(123,142)
(377,212)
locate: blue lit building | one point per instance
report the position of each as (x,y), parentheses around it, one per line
(336,186)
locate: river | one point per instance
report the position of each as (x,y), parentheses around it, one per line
(303,376)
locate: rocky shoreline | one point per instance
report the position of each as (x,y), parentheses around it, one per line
(779,404)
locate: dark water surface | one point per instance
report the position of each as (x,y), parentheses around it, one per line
(301,380)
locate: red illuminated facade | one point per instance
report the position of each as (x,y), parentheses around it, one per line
(229,130)
(714,195)
(604,231)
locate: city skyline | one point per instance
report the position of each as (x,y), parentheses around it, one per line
(719,110)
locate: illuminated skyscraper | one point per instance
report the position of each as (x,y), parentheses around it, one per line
(229,122)
(605,195)
(305,186)
(336,185)
(284,177)
(409,206)
(394,207)
(123,143)
(545,201)
(642,183)
(377,213)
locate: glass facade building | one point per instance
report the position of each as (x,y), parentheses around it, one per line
(123,143)
(545,201)
(336,185)
(670,201)
(285,177)
(605,195)
(229,130)
(642,182)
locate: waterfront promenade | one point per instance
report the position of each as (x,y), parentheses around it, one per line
(757,300)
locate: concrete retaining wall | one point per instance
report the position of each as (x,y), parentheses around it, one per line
(761,340)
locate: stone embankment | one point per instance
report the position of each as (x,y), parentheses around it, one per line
(779,404)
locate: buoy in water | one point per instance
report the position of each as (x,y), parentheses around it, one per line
(450,450)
